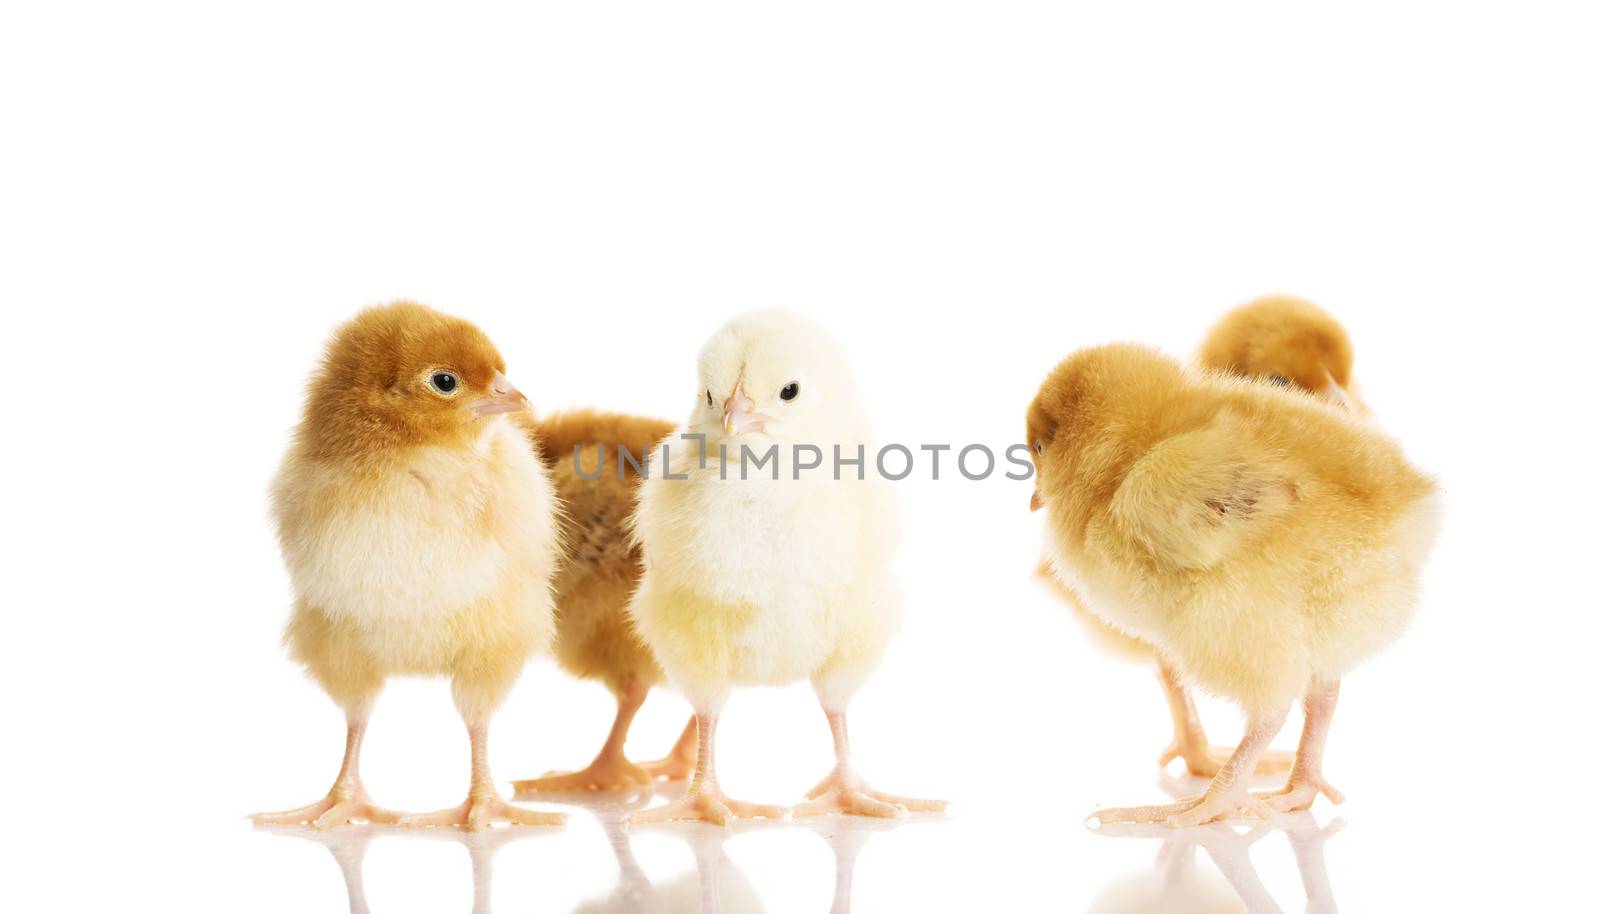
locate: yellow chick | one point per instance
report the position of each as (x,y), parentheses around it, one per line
(760,566)
(1286,341)
(1263,542)
(418,529)
(600,566)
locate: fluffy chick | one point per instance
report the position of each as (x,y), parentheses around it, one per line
(1289,341)
(1285,341)
(1263,542)
(751,578)
(600,566)
(418,529)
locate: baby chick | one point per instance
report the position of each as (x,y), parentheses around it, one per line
(1289,342)
(600,567)
(764,573)
(1263,542)
(418,528)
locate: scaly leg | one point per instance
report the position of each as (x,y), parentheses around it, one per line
(1189,737)
(347,800)
(611,769)
(844,791)
(679,763)
(1306,780)
(484,804)
(1228,793)
(705,801)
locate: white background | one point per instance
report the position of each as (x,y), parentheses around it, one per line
(193,195)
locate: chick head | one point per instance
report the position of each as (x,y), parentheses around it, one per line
(1093,389)
(405,374)
(776,375)
(1288,341)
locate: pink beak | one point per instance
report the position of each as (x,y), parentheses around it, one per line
(503,398)
(739,414)
(1036,502)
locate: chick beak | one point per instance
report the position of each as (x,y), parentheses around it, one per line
(1035,503)
(1339,396)
(503,398)
(739,414)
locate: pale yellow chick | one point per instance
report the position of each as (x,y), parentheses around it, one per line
(418,528)
(759,570)
(1265,543)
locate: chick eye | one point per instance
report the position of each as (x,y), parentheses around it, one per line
(1279,380)
(708,397)
(444,382)
(1038,447)
(790,390)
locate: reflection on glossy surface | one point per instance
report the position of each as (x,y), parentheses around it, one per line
(1178,883)
(845,836)
(713,886)
(348,844)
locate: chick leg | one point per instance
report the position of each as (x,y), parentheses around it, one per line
(611,769)
(483,805)
(679,763)
(844,790)
(1189,737)
(705,801)
(347,799)
(1306,780)
(1228,793)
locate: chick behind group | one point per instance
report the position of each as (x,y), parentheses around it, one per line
(600,567)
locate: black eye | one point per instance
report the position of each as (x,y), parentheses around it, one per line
(444,382)
(708,397)
(1279,380)
(790,390)
(1038,448)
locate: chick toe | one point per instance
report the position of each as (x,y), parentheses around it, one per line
(340,807)
(609,771)
(843,791)
(479,812)
(706,804)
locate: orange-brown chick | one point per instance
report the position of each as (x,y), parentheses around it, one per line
(418,529)
(600,567)
(1263,542)
(1289,341)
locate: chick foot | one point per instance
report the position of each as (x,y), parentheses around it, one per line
(1306,780)
(1294,797)
(1189,737)
(706,804)
(1188,812)
(1204,762)
(479,812)
(347,800)
(1228,795)
(845,792)
(341,806)
(678,764)
(483,805)
(604,773)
